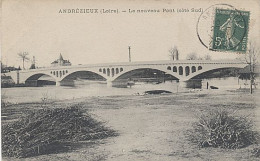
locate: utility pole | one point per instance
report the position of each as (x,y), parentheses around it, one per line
(129,48)
(129,53)
(251,74)
(33,60)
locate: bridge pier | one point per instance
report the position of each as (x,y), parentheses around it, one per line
(109,83)
(58,83)
(117,83)
(65,83)
(190,84)
(182,83)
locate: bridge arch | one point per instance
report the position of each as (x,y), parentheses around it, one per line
(193,69)
(174,69)
(187,70)
(180,70)
(108,72)
(199,74)
(31,80)
(130,72)
(81,73)
(36,76)
(104,71)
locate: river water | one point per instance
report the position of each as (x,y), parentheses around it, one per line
(90,88)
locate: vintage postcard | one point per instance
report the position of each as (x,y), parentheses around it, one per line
(133,80)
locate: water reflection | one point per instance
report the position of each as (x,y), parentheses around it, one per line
(194,84)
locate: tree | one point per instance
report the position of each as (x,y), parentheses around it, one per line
(192,56)
(251,59)
(207,57)
(2,67)
(23,56)
(174,53)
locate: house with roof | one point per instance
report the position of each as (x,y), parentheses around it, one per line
(60,62)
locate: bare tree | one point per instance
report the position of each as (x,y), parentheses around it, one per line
(23,56)
(2,67)
(251,59)
(207,57)
(174,53)
(192,56)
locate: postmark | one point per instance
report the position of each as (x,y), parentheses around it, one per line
(221,27)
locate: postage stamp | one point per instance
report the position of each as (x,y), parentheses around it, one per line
(230,32)
(222,27)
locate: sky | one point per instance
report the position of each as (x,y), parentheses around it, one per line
(37,27)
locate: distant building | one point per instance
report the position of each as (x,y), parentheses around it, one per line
(33,64)
(61,62)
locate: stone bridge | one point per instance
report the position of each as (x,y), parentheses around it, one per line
(182,70)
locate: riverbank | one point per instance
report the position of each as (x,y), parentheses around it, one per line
(150,127)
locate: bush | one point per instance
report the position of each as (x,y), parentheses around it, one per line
(256,152)
(44,130)
(220,128)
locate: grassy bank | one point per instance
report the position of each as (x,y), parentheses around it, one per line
(151,127)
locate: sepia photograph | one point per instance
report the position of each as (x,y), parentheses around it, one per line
(130,80)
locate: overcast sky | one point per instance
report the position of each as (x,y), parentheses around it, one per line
(38,28)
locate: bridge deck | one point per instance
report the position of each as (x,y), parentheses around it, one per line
(163,62)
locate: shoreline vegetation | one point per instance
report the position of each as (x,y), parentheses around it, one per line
(44,131)
(154,126)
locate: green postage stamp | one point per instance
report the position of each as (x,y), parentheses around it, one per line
(230,30)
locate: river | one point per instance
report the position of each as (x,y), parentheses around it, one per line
(90,88)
